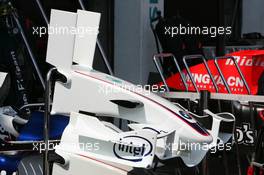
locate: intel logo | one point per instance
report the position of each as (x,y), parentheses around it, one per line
(126,149)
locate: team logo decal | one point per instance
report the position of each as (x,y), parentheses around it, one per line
(193,123)
(130,152)
(187,116)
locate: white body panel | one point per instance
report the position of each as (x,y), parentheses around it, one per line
(155,111)
(85,94)
(159,122)
(61,42)
(2,78)
(81,137)
(87,166)
(85,41)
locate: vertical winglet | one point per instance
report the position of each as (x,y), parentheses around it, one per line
(61,39)
(85,41)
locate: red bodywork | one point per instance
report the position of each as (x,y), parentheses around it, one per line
(251,63)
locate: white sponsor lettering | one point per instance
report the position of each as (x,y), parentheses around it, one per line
(246,61)
(205,79)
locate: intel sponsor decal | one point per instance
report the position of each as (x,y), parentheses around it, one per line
(133,148)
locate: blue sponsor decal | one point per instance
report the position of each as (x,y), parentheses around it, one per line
(186,115)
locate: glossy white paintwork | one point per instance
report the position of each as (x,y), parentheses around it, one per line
(157,120)
(2,78)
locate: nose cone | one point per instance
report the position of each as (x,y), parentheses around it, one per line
(191,136)
(193,130)
(204,138)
